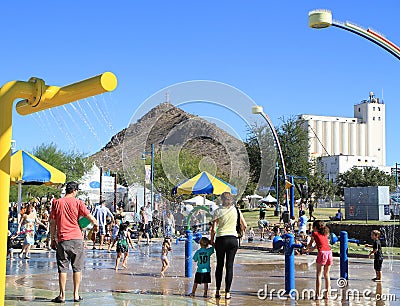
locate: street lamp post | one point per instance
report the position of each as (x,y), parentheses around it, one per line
(321,19)
(151,153)
(259,110)
(144,179)
(277,206)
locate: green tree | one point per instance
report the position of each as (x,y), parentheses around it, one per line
(363,177)
(73,164)
(260,146)
(319,186)
(294,143)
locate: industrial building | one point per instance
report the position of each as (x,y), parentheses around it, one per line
(344,142)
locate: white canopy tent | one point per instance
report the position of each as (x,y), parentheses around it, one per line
(268,199)
(199,200)
(253,200)
(187,209)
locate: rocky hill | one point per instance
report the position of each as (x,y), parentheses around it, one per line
(171,128)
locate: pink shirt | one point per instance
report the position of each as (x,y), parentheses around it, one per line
(66,212)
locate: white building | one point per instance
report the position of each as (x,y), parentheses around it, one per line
(344,142)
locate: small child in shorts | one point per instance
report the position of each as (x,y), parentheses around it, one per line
(378,256)
(251,235)
(203,273)
(114,234)
(166,247)
(10,239)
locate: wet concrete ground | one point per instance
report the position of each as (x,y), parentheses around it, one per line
(35,281)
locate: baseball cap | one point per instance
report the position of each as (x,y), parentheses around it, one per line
(72,186)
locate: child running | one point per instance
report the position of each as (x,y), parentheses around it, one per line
(378,256)
(122,246)
(324,257)
(166,247)
(203,273)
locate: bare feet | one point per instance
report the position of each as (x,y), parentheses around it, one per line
(125,266)
(162,274)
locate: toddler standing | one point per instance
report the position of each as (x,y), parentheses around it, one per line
(251,235)
(203,273)
(114,234)
(166,247)
(378,256)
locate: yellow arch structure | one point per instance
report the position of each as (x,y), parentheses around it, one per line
(38,96)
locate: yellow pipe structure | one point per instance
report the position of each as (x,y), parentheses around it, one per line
(37,96)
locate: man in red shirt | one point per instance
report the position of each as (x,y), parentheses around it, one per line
(65,213)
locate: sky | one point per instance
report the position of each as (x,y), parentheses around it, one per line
(263,49)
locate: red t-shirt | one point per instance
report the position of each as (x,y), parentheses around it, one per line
(321,241)
(66,212)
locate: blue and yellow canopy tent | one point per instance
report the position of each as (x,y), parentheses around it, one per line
(204,183)
(27,169)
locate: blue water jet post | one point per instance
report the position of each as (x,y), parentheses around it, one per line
(287,242)
(344,252)
(188,253)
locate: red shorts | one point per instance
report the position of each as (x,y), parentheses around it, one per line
(324,258)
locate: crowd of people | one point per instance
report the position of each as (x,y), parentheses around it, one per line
(60,220)
(29,225)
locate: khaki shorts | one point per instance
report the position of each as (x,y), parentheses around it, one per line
(70,251)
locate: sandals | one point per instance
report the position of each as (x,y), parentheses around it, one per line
(58,300)
(227,296)
(78,299)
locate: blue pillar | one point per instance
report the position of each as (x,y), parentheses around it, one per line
(291,178)
(188,253)
(344,259)
(289,261)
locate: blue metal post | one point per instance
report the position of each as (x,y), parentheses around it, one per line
(344,259)
(289,262)
(291,178)
(188,253)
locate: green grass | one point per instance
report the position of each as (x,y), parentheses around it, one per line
(252,216)
(361,249)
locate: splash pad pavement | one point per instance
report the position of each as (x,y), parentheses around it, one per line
(259,279)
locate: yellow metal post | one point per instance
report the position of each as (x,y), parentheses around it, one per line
(38,96)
